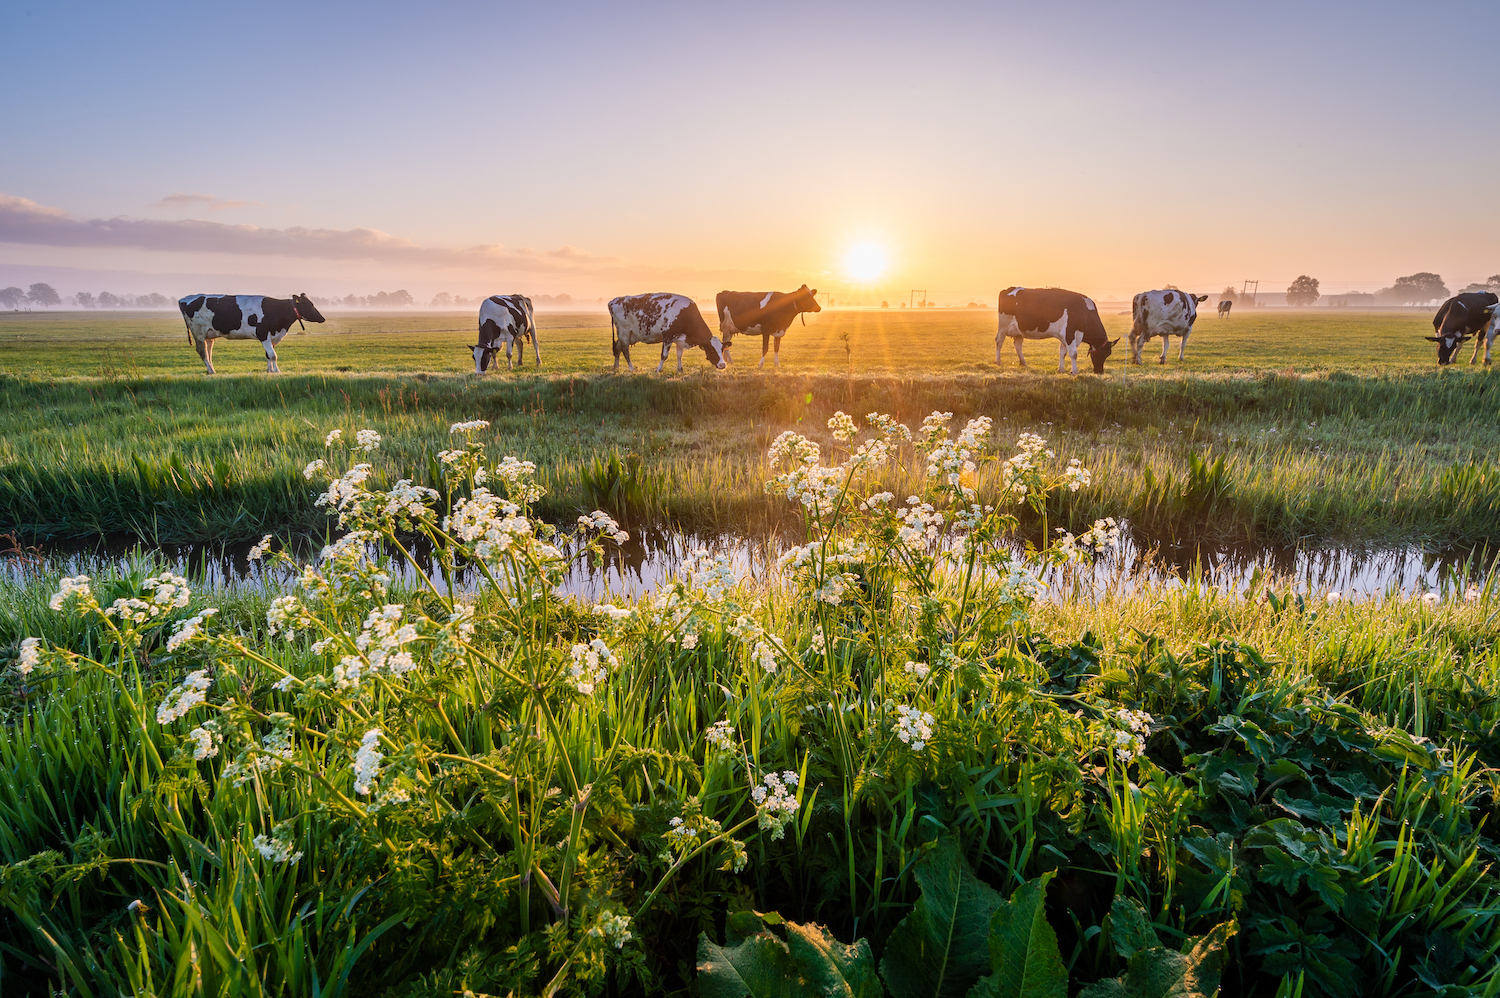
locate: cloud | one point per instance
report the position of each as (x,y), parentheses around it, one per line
(179,200)
(27,222)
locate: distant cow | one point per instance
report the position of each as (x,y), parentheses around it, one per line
(1052,313)
(1460,317)
(1165,314)
(506,319)
(1224,307)
(662,318)
(243,317)
(765,314)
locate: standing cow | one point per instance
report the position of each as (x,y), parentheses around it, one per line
(1460,317)
(765,314)
(1224,307)
(243,317)
(662,318)
(506,319)
(1165,314)
(1052,313)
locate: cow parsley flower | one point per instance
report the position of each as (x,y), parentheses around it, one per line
(334,436)
(470,426)
(591,663)
(30,657)
(614,613)
(286,616)
(205,740)
(764,656)
(367,440)
(914,727)
(258,552)
(1076,476)
(887,426)
(614,928)
(775,801)
(711,574)
(189,629)
(366,764)
(72,591)
(314,468)
(519,479)
(842,426)
(720,735)
(188,694)
(342,490)
(918,669)
(277,847)
(792,447)
(605,524)
(933,427)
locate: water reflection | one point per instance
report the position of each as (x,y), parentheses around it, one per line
(651,557)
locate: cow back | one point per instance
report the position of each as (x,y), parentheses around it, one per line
(1036,309)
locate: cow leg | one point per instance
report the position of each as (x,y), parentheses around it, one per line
(680,345)
(778,351)
(1020,357)
(208,345)
(508,365)
(666,347)
(1062,355)
(1182,346)
(765,344)
(1166,341)
(202,347)
(536,348)
(270,349)
(998,341)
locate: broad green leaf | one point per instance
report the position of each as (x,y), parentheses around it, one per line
(1023,949)
(757,963)
(1129,928)
(1158,972)
(939,950)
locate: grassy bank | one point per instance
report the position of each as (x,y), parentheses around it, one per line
(1284,793)
(1305,458)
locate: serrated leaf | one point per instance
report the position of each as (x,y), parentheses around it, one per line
(833,969)
(939,949)
(1129,928)
(760,966)
(1159,972)
(757,963)
(1023,949)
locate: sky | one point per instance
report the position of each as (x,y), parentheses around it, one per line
(597,149)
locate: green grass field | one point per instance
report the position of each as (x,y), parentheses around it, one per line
(1324,439)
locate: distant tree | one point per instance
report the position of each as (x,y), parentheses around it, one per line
(11,297)
(153,300)
(1229,295)
(443,300)
(1414,288)
(1170,287)
(43,295)
(1492,285)
(885,304)
(1303,291)
(84,299)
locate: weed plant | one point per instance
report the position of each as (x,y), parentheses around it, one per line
(891,768)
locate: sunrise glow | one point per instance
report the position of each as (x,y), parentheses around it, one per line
(866,262)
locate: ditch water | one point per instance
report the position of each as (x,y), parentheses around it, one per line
(651,558)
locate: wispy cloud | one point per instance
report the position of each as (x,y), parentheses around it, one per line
(177,200)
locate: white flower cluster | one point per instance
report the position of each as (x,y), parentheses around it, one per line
(591,664)
(380,644)
(872,454)
(914,727)
(720,735)
(275,751)
(30,657)
(792,448)
(918,669)
(614,613)
(605,524)
(343,490)
(1076,476)
(950,460)
(814,486)
(764,656)
(1019,586)
(519,479)
(1129,737)
(613,928)
(834,586)
(73,589)
(367,440)
(1103,536)
(258,552)
(316,467)
(366,763)
(167,592)
(920,524)
(334,436)
(286,616)
(277,847)
(933,427)
(843,427)
(878,501)
(887,426)
(711,574)
(189,629)
(494,527)
(184,697)
(409,501)
(205,740)
(775,801)
(1021,474)
(470,426)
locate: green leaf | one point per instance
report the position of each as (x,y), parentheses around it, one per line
(938,951)
(1023,949)
(1158,972)
(757,963)
(1129,927)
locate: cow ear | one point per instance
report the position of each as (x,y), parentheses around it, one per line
(1434,339)
(1114,341)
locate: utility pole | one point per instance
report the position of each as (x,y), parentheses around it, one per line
(914,298)
(1248,291)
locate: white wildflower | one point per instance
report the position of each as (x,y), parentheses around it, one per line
(366,764)
(843,427)
(367,440)
(918,669)
(188,694)
(277,847)
(71,589)
(334,436)
(605,524)
(1076,476)
(30,657)
(914,727)
(519,479)
(613,612)
(792,447)
(590,664)
(1430,598)
(205,741)
(720,735)
(259,550)
(775,802)
(314,468)
(470,426)
(188,629)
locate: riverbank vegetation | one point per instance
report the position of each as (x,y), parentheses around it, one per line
(890,766)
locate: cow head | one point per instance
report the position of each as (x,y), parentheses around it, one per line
(1200,299)
(807,300)
(1100,352)
(1447,346)
(306,310)
(714,351)
(482,357)
(1451,325)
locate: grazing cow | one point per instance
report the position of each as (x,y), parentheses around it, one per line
(1165,314)
(764,313)
(1224,307)
(505,319)
(662,318)
(1460,317)
(1052,313)
(243,317)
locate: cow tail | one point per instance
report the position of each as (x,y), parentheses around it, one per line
(1137,319)
(614,331)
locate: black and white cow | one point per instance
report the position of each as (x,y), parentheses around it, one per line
(1053,313)
(665,318)
(1165,314)
(506,319)
(1460,317)
(1224,307)
(243,317)
(766,314)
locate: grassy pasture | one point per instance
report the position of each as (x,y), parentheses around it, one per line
(885,341)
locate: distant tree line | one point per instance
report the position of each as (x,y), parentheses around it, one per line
(39,294)
(106,300)
(1413,289)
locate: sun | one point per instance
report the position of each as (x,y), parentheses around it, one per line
(866,262)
